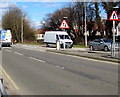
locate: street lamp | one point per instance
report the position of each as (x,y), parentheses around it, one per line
(85,25)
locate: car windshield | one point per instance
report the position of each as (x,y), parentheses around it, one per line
(107,40)
(64,36)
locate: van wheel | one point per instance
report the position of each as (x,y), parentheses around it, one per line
(71,46)
(61,46)
(91,48)
(47,44)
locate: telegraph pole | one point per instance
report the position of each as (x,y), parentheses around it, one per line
(21,28)
(85,25)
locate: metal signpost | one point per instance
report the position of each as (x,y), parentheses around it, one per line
(64,25)
(113,17)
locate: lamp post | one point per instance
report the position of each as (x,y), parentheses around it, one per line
(85,24)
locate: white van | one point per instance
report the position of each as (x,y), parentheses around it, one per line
(51,37)
(6,38)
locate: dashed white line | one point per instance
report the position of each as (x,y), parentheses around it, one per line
(18,53)
(8,50)
(41,51)
(37,59)
(61,67)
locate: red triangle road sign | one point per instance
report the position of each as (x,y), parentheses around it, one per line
(64,25)
(114,16)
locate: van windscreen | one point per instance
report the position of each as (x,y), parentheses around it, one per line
(64,37)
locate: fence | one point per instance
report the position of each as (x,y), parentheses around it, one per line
(2,89)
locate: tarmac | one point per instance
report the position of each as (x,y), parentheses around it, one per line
(75,51)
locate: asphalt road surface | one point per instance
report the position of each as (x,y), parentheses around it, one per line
(44,73)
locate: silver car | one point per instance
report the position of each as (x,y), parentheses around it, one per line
(100,44)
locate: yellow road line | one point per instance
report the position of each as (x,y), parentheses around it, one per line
(16,87)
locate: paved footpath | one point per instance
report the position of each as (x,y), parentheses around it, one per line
(85,52)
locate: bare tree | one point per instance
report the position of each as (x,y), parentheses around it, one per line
(12,20)
(108,6)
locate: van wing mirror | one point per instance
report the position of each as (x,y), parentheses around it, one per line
(101,42)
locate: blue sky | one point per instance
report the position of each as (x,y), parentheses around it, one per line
(37,10)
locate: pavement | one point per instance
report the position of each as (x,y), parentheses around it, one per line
(78,51)
(85,52)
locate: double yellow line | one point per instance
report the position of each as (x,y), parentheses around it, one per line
(16,87)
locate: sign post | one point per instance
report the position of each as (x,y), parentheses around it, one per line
(64,25)
(113,17)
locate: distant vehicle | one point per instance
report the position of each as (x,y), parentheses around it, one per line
(51,37)
(101,44)
(6,37)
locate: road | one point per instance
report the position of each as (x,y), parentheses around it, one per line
(43,73)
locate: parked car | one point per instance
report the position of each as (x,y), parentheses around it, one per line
(100,44)
(117,38)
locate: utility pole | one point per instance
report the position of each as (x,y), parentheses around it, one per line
(22,28)
(85,25)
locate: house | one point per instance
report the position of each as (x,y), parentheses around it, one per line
(40,35)
(118,29)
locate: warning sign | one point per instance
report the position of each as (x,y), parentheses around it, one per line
(64,25)
(114,16)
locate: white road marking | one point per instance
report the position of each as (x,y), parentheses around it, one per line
(87,58)
(8,50)
(61,67)
(18,53)
(37,59)
(41,51)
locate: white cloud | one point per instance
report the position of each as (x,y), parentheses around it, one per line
(24,6)
(3,10)
(53,5)
(3,5)
(36,23)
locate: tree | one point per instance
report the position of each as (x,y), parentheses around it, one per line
(108,7)
(12,20)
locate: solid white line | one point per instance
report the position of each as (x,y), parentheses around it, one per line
(18,53)
(86,58)
(37,59)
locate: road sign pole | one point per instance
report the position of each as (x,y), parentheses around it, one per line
(113,44)
(113,17)
(64,41)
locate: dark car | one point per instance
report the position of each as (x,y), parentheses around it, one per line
(100,44)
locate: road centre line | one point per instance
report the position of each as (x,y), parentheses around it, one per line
(15,86)
(37,59)
(18,53)
(61,67)
(41,51)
